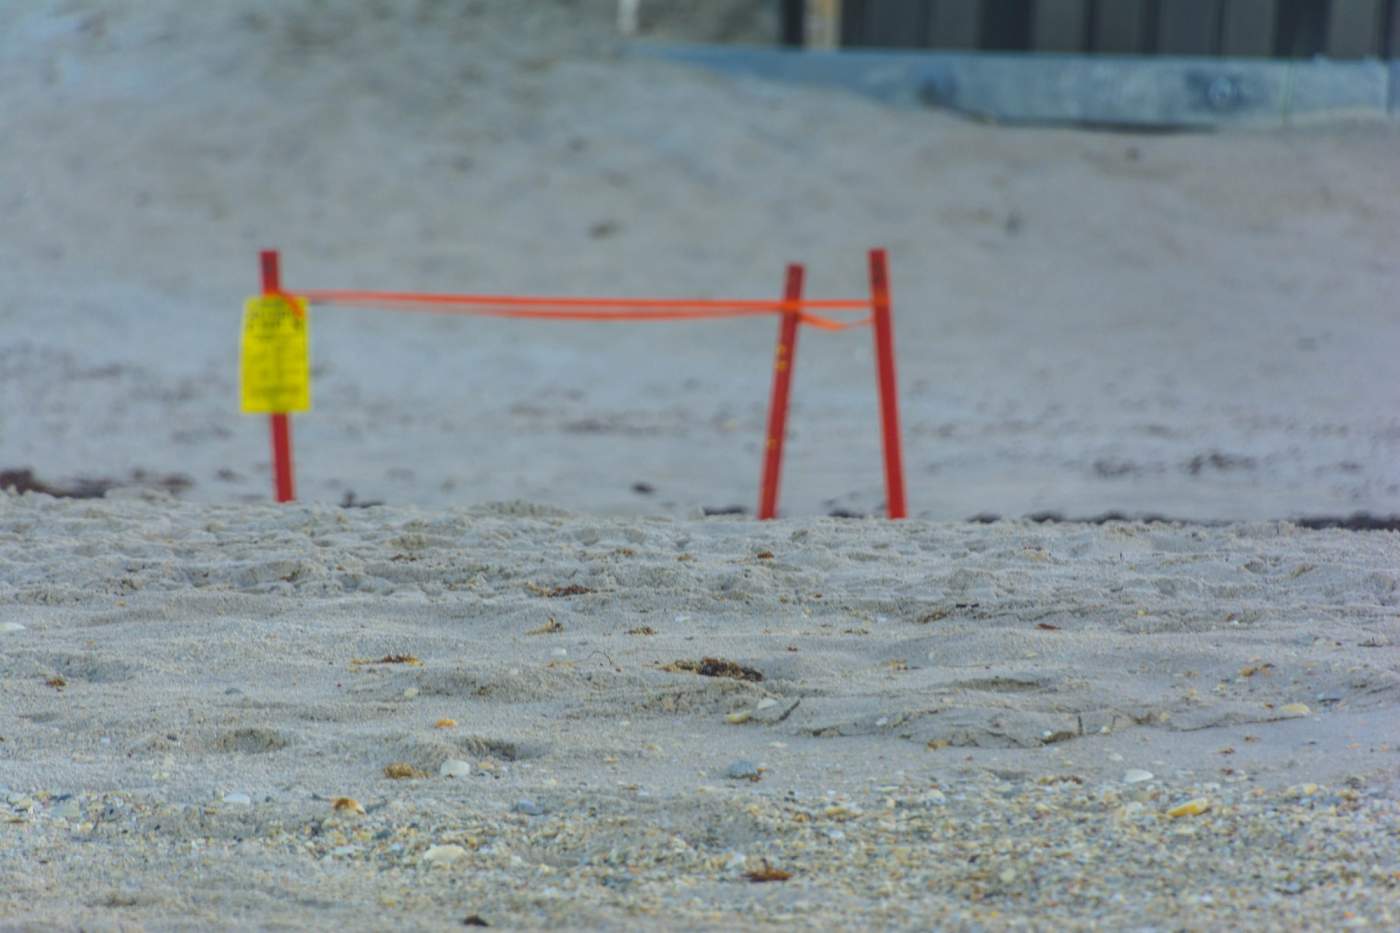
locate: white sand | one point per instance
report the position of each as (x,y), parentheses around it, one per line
(1199,326)
(204,651)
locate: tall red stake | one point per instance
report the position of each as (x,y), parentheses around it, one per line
(280,422)
(884,361)
(783,362)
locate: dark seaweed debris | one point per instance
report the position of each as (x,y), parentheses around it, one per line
(715,667)
(24,480)
(1357,521)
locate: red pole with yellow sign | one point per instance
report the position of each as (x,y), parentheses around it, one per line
(275,366)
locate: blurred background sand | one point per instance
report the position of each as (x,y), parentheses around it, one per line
(1195,325)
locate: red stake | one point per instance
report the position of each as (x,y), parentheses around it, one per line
(884,361)
(783,362)
(280,422)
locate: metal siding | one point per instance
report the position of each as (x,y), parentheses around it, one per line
(1249,28)
(1119,26)
(953,24)
(1353,29)
(1254,28)
(1059,25)
(896,24)
(1006,25)
(1189,27)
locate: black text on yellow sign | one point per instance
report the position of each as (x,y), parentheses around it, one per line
(275,355)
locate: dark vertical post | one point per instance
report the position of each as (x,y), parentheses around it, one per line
(1302,29)
(784,360)
(792,23)
(884,362)
(280,422)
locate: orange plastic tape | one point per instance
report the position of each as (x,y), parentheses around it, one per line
(343,296)
(592,309)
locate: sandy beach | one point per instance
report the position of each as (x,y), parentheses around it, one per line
(925,724)
(504,663)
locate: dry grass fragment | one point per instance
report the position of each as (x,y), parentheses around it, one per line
(555,592)
(388,659)
(402,771)
(766,872)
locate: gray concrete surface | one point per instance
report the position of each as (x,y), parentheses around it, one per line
(1042,88)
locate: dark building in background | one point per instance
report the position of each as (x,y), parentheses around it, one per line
(1339,29)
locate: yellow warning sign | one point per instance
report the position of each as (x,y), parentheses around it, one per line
(275,355)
